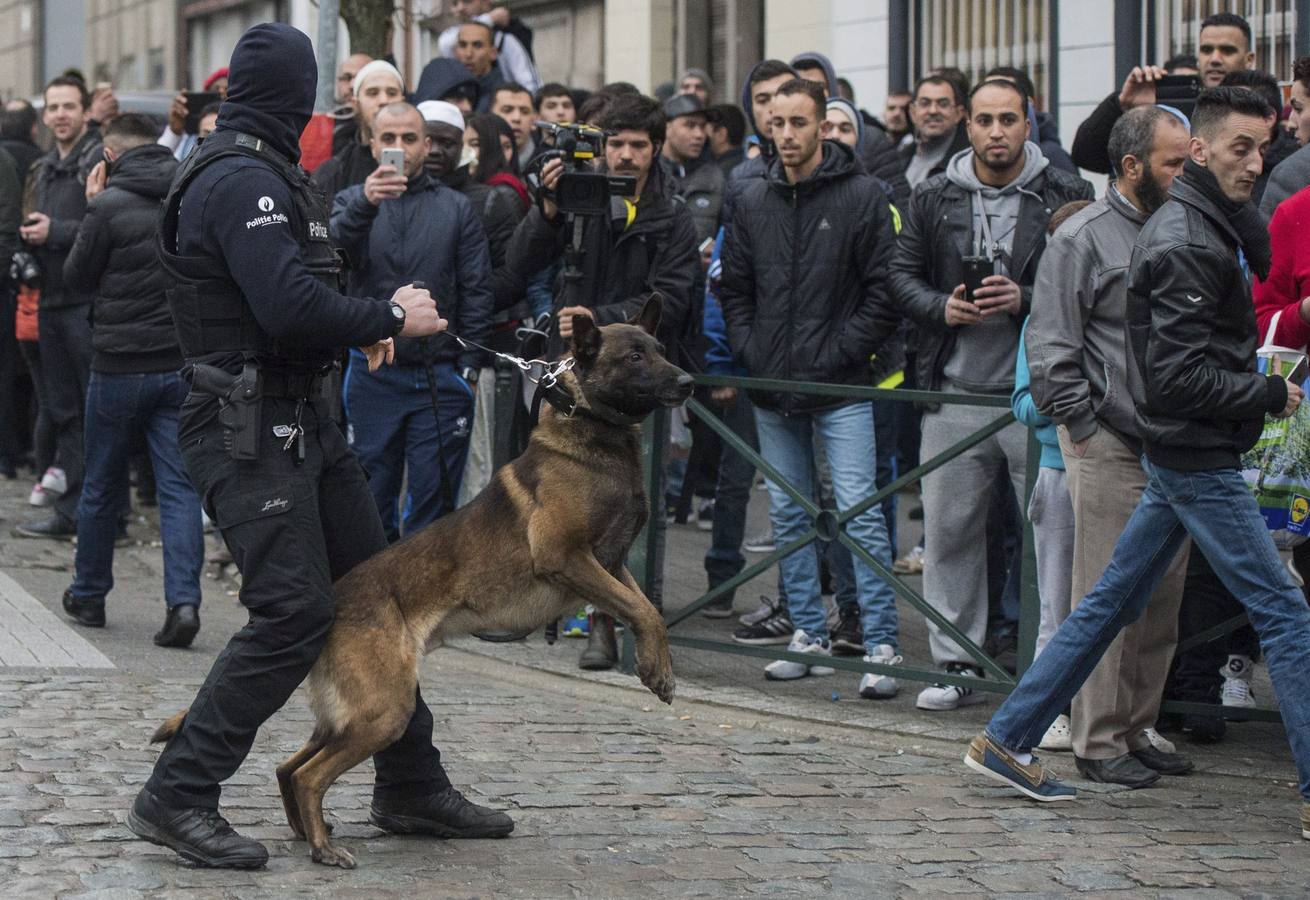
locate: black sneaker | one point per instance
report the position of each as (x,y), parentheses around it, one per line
(446,814)
(197,833)
(55,528)
(88,611)
(776,628)
(848,636)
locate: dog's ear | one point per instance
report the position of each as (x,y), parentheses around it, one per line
(648,320)
(586,340)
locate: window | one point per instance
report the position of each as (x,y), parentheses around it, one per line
(1273,29)
(723,37)
(976,35)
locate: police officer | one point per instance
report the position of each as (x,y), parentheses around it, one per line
(260,321)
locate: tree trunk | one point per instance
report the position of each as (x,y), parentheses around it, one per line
(368,22)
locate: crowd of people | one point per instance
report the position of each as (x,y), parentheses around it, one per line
(949,246)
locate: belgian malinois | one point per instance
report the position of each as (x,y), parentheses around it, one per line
(552,528)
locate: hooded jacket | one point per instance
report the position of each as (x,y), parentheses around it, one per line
(803,285)
(59,191)
(240,210)
(1192,334)
(1285,179)
(114,258)
(938,231)
(432,234)
(443,77)
(620,265)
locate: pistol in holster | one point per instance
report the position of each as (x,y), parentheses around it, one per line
(239,399)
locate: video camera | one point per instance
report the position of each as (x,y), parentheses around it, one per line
(581,191)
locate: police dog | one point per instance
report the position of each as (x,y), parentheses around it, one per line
(551,529)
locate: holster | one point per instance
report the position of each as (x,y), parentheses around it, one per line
(239,398)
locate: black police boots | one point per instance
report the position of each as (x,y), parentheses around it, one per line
(180,626)
(196,833)
(445,814)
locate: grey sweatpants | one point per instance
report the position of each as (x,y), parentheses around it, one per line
(1051,512)
(955,499)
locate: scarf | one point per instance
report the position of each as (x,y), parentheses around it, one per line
(1252,233)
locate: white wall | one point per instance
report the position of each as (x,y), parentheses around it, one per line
(1086,56)
(860,49)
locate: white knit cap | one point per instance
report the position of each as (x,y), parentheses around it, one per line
(441,111)
(373,68)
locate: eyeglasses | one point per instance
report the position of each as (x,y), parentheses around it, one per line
(940,103)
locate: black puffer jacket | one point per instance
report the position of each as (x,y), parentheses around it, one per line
(804,289)
(1192,338)
(937,231)
(115,257)
(882,160)
(620,266)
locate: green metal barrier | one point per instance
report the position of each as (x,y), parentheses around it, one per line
(646,556)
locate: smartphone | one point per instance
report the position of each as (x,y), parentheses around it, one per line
(196,101)
(30,221)
(1178,91)
(976,268)
(394,157)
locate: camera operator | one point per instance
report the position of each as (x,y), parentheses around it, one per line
(646,242)
(397,228)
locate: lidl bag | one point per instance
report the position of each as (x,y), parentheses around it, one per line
(1278,467)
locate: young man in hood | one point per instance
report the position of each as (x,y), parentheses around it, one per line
(804,296)
(1194,379)
(994,200)
(134,386)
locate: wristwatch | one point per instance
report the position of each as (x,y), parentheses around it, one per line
(469,374)
(397,314)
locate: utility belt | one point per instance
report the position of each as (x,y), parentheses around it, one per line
(240,398)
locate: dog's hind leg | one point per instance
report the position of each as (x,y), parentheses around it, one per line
(284,784)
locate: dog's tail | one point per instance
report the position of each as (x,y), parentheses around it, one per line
(169,728)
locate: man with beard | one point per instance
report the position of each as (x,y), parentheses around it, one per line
(1192,376)
(992,202)
(1077,360)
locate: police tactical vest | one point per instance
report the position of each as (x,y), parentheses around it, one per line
(209,311)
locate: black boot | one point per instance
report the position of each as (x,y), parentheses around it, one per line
(85,610)
(197,833)
(602,647)
(445,814)
(180,626)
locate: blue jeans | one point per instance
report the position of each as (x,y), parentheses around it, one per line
(391,424)
(118,406)
(848,434)
(1216,508)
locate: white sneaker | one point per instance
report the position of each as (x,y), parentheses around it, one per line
(910,564)
(942,697)
(1237,682)
(1159,741)
(705,516)
(760,543)
(786,670)
(1057,737)
(880,687)
(54,481)
(39,497)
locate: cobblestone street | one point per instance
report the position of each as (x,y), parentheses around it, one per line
(739,789)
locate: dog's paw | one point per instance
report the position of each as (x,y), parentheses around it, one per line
(661,683)
(329,855)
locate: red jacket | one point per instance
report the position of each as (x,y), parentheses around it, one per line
(1289,275)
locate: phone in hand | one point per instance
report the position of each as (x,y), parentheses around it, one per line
(394,157)
(706,245)
(976,268)
(1178,91)
(196,101)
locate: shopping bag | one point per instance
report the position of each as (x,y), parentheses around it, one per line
(1277,468)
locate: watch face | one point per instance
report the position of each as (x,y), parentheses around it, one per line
(397,311)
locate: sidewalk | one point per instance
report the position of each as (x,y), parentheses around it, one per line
(738,789)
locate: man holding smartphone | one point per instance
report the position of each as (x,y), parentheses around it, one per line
(995,198)
(400,226)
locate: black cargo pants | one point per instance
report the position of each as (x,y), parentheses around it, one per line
(293,530)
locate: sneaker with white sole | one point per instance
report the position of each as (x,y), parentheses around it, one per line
(989,758)
(760,543)
(768,606)
(786,670)
(705,515)
(1058,737)
(880,687)
(54,481)
(1237,682)
(1159,741)
(942,697)
(910,564)
(776,629)
(39,497)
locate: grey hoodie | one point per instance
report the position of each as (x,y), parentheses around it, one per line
(983,358)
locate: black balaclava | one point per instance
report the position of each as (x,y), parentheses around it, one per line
(272,83)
